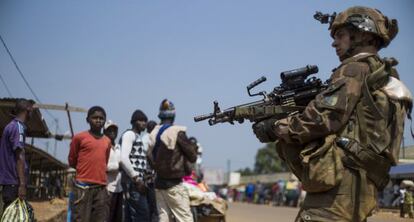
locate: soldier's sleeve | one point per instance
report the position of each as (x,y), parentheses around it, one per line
(329,111)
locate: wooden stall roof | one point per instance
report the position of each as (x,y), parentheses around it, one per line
(36,126)
(39,159)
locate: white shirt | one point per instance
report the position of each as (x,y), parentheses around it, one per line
(114,176)
(134,148)
(402,195)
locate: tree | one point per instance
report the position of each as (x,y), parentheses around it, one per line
(246,171)
(267,161)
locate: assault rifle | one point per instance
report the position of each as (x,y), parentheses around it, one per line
(292,96)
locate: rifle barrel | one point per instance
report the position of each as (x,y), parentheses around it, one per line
(203,117)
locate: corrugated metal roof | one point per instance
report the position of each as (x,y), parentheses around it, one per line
(36,126)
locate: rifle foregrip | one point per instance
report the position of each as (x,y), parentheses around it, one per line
(255,83)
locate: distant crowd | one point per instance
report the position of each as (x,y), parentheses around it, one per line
(281,193)
(146,175)
(398,194)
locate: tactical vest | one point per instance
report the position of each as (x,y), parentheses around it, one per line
(373,135)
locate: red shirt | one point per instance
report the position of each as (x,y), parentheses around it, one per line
(89,156)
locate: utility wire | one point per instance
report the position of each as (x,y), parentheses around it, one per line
(18,69)
(5,85)
(30,88)
(23,77)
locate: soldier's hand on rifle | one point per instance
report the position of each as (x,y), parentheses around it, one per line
(264,130)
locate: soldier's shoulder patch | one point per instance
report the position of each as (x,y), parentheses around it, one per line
(330,98)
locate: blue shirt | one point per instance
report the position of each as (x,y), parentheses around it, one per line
(13,138)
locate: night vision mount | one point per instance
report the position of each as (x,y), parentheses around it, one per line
(325,18)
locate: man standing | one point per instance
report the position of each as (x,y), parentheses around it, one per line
(134,147)
(89,154)
(250,190)
(197,166)
(343,144)
(12,156)
(151,125)
(114,204)
(152,200)
(169,151)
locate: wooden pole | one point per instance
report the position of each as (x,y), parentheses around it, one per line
(70,119)
(56,131)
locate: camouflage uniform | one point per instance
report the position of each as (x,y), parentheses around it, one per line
(343,144)
(331,112)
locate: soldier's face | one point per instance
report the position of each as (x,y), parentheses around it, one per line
(342,42)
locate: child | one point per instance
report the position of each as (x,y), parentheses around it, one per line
(89,153)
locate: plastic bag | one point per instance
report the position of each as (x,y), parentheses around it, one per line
(18,211)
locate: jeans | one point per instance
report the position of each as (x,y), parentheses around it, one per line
(136,206)
(114,207)
(152,202)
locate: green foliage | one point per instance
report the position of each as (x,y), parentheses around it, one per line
(246,171)
(267,161)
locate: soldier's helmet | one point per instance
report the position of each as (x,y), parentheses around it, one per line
(369,20)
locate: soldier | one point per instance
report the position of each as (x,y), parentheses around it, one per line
(343,144)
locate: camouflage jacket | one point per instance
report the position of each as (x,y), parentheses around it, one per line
(363,112)
(330,111)
(363,109)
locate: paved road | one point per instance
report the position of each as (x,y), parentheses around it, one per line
(242,212)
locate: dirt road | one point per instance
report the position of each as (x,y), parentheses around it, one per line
(241,212)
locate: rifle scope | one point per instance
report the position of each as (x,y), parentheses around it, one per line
(300,72)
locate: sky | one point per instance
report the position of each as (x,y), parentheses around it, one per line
(127,55)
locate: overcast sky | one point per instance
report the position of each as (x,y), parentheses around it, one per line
(127,55)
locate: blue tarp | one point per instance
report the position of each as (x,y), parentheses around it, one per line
(402,169)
